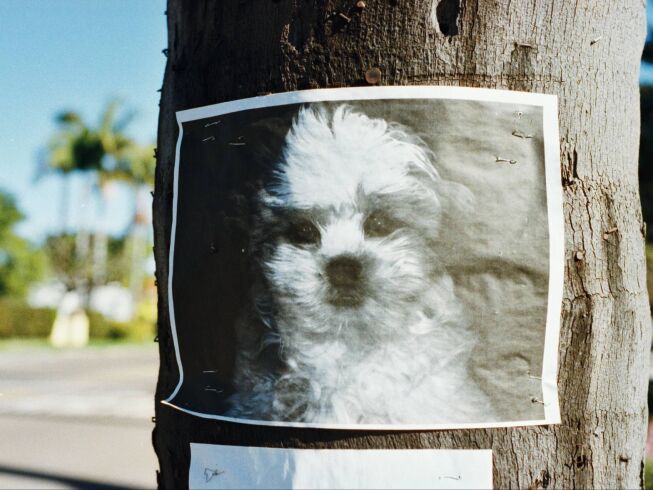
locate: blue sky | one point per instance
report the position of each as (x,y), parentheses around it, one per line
(72,54)
(77,54)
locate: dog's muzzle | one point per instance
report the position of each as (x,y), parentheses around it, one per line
(346,278)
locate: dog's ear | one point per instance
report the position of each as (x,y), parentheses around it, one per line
(260,155)
(269,134)
(453,198)
(456,198)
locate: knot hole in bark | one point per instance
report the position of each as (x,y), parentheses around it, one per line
(445,16)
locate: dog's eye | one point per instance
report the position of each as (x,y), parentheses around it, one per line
(303,233)
(379,224)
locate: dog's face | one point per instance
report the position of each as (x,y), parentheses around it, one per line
(346,226)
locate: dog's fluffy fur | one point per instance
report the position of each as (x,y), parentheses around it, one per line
(353,320)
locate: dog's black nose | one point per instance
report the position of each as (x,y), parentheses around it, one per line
(344,272)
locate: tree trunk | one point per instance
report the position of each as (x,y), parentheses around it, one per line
(584,51)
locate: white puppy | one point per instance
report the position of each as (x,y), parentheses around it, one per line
(353,319)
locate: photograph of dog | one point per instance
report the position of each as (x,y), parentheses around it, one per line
(352,317)
(368,259)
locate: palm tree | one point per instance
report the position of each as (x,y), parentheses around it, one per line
(136,168)
(77,147)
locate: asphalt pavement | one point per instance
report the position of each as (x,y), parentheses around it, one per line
(77,418)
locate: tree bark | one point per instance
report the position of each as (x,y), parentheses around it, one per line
(584,51)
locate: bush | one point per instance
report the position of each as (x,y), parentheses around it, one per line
(20,320)
(140,328)
(648,474)
(649,272)
(103,328)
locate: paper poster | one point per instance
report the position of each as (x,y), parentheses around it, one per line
(369,258)
(237,467)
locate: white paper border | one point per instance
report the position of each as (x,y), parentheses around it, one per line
(549,104)
(265,467)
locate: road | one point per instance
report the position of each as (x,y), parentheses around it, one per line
(77,418)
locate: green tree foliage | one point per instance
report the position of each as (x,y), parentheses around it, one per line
(106,152)
(20,262)
(78,146)
(135,166)
(102,149)
(64,262)
(71,270)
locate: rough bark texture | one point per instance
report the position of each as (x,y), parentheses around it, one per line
(587,52)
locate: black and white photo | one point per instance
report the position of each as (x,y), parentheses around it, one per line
(368,258)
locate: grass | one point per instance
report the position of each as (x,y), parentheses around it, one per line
(19,343)
(41,343)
